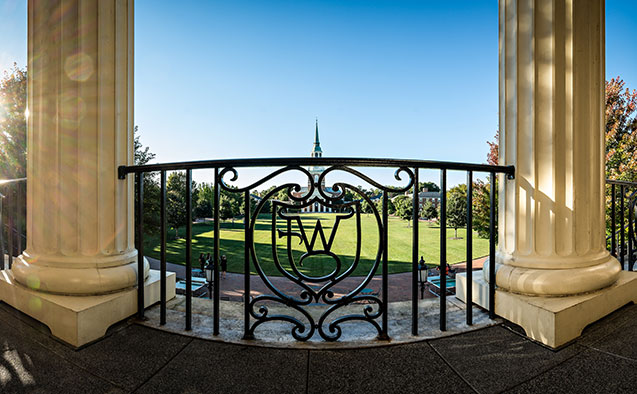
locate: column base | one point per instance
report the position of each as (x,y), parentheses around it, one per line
(77,275)
(565,281)
(78,320)
(553,321)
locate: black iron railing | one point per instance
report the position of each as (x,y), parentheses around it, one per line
(12,220)
(313,288)
(621,234)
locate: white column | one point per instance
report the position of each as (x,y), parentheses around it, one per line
(552,216)
(80,95)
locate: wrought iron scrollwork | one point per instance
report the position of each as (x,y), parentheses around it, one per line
(315,289)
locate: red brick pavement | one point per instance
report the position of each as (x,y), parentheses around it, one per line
(399,285)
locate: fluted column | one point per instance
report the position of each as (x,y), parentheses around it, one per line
(552,220)
(80,217)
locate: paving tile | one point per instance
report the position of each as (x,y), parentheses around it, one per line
(621,341)
(604,327)
(401,369)
(588,372)
(495,359)
(139,351)
(130,356)
(26,366)
(213,367)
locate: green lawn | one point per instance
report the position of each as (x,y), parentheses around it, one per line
(400,236)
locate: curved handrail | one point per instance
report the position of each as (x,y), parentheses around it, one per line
(122,171)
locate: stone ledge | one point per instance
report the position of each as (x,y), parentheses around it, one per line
(355,335)
(78,320)
(553,321)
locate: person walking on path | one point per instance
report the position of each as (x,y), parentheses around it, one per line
(202,262)
(224,266)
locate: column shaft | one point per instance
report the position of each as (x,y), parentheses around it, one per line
(552,217)
(80,216)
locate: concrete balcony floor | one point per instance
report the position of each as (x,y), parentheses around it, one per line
(136,358)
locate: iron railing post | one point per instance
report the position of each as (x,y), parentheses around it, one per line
(217,198)
(162,235)
(384,334)
(2,232)
(469,247)
(140,243)
(246,267)
(188,250)
(492,219)
(443,250)
(622,241)
(10,246)
(613,225)
(414,256)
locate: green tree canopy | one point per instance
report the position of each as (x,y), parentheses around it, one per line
(621,131)
(13,124)
(404,207)
(429,211)
(457,208)
(430,186)
(205,198)
(152,213)
(176,199)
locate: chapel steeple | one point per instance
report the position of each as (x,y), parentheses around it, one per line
(316,151)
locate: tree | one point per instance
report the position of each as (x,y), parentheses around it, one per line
(205,197)
(13,142)
(253,206)
(621,139)
(267,204)
(404,207)
(366,207)
(481,209)
(621,127)
(494,152)
(152,191)
(429,211)
(391,208)
(430,186)
(176,200)
(482,197)
(457,208)
(226,207)
(13,124)
(282,195)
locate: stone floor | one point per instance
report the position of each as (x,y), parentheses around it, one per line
(355,334)
(136,358)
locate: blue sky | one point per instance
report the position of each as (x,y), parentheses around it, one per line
(406,79)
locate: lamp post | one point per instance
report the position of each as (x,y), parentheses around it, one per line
(422,276)
(210,268)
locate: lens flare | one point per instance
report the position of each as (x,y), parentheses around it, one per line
(35,304)
(79,67)
(33,282)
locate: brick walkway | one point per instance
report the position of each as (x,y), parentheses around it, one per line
(232,286)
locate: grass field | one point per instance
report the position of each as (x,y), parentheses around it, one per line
(344,246)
